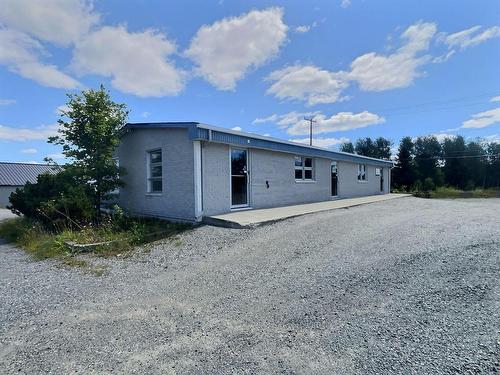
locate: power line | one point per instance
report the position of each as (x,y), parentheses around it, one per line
(452,157)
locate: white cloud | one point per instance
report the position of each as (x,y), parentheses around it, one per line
(308,83)
(7,101)
(345,3)
(145,114)
(294,123)
(61,22)
(302,29)
(227,49)
(237,128)
(495,99)
(137,62)
(21,54)
(470,37)
(322,142)
(57,156)
(274,117)
(482,119)
(27,134)
(29,151)
(375,72)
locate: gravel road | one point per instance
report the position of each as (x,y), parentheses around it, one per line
(402,286)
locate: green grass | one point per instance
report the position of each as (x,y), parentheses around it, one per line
(449,192)
(121,238)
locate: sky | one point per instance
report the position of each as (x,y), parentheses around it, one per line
(362,68)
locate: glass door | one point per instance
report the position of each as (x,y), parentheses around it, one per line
(239,178)
(334,179)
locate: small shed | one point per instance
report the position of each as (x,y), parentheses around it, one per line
(14,175)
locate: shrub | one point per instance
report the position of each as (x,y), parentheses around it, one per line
(429,184)
(469,186)
(56,200)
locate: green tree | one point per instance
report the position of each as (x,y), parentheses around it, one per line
(347,147)
(493,165)
(475,165)
(427,157)
(89,133)
(365,147)
(454,152)
(383,148)
(404,176)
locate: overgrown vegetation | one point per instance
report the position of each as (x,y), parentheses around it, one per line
(64,210)
(116,236)
(450,192)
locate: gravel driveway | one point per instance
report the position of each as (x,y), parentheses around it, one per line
(402,286)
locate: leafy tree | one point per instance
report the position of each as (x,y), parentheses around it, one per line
(475,165)
(493,165)
(365,147)
(380,148)
(454,150)
(89,133)
(347,147)
(383,148)
(404,176)
(427,155)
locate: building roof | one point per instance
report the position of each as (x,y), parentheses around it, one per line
(17,174)
(204,132)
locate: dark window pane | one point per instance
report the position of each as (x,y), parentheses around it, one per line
(308,175)
(298,161)
(155,156)
(239,190)
(298,174)
(238,162)
(156,186)
(308,162)
(156,171)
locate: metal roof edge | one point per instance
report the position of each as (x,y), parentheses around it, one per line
(282,141)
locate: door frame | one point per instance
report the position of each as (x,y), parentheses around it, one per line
(382,181)
(247,204)
(337,165)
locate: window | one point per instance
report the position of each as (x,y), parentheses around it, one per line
(303,168)
(377,171)
(155,172)
(361,172)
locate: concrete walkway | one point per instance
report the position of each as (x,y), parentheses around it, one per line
(252,218)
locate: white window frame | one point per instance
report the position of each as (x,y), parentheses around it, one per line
(302,167)
(377,171)
(150,166)
(362,173)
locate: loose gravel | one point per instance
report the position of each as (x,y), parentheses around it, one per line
(402,286)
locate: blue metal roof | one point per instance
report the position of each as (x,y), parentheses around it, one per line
(209,133)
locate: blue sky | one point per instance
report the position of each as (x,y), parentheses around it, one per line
(362,68)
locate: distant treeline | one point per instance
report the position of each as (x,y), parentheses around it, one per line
(426,162)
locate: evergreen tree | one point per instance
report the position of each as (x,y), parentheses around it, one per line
(454,150)
(366,147)
(403,174)
(475,166)
(383,148)
(347,147)
(427,156)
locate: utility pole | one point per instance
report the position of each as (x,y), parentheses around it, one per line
(311,120)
